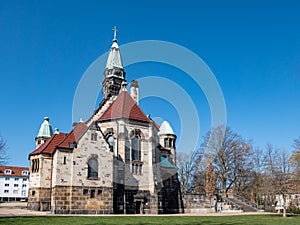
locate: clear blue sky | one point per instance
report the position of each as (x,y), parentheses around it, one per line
(253,48)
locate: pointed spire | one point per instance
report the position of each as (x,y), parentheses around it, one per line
(114,58)
(115,34)
(114,74)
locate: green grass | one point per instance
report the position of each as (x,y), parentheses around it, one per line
(169,220)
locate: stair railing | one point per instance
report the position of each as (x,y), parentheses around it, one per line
(246,201)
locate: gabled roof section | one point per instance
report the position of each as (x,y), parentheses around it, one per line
(61,140)
(49,146)
(124,107)
(74,135)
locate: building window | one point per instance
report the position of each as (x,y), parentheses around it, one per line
(16,179)
(24,185)
(137,168)
(99,191)
(93,168)
(33,193)
(6,185)
(85,191)
(92,193)
(23,193)
(6,178)
(169,142)
(111,142)
(15,191)
(135,148)
(35,165)
(16,185)
(65,160)
(6,191)
(7,172)
(166,142)
(24,179)
(24,172)
(94,136)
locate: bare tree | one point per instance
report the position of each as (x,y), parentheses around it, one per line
(276,176)
(296,143)
(295,161)
(187,164)
(231,158)
(3,153)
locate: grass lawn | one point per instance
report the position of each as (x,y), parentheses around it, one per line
(169,220)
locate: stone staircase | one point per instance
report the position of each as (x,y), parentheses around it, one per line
(242,203)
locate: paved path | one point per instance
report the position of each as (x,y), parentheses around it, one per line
(13,209)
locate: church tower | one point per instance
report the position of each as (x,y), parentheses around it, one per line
(45,132)
(114,74)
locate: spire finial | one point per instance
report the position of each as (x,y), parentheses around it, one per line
(115,33)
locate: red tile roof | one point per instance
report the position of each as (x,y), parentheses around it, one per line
(74,135)
(124,107)
(16,171)
(49,146)
(61,140)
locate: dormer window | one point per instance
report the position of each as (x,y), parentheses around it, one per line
(8,171)
(24,172)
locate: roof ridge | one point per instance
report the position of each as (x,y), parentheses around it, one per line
(124,107)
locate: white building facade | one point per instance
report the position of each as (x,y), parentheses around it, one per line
(14,183)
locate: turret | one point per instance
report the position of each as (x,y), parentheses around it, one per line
(167,139)
(45,132)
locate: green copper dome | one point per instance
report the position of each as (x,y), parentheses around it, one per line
(164,162)
(45,129)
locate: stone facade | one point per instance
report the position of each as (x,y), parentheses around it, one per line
(115,162)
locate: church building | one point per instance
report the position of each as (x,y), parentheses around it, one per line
(118,161)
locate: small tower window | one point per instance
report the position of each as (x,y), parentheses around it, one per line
(166,142)
(65,160)
(170,142)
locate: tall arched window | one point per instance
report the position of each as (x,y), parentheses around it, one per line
(135,148)
(93,168)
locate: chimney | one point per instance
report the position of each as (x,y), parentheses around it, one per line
(134,90)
